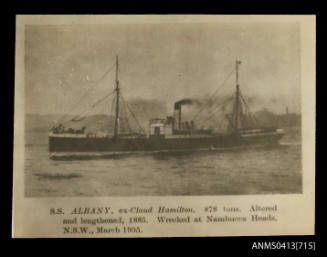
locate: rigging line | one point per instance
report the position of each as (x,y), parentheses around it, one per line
(78,117)
(249,111)
(216,91)
(212,115)
(220,105)
(133,115)
(125,127)
(111,129)
(121,116)
(125,116)
(87,92)
(95,113)
(102,99)
(223,104)
(210,99)
(245,103)
(127,122)
(94,105)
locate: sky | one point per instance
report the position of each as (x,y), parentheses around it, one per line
(165,62)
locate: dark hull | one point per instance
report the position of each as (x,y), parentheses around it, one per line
(71,144)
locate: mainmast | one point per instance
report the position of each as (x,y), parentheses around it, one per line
(117,102)
(237,98)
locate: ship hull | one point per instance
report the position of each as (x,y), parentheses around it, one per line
(79,144)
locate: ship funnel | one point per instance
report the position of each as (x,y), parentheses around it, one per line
(178,109)
(179,103)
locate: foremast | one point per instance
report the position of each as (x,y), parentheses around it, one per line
(237,111)
(116,127)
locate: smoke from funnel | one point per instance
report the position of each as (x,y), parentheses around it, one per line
(179,103)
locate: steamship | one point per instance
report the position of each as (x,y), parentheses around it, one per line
(170,133)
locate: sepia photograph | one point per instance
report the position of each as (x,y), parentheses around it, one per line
(164,125)
(162,109)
